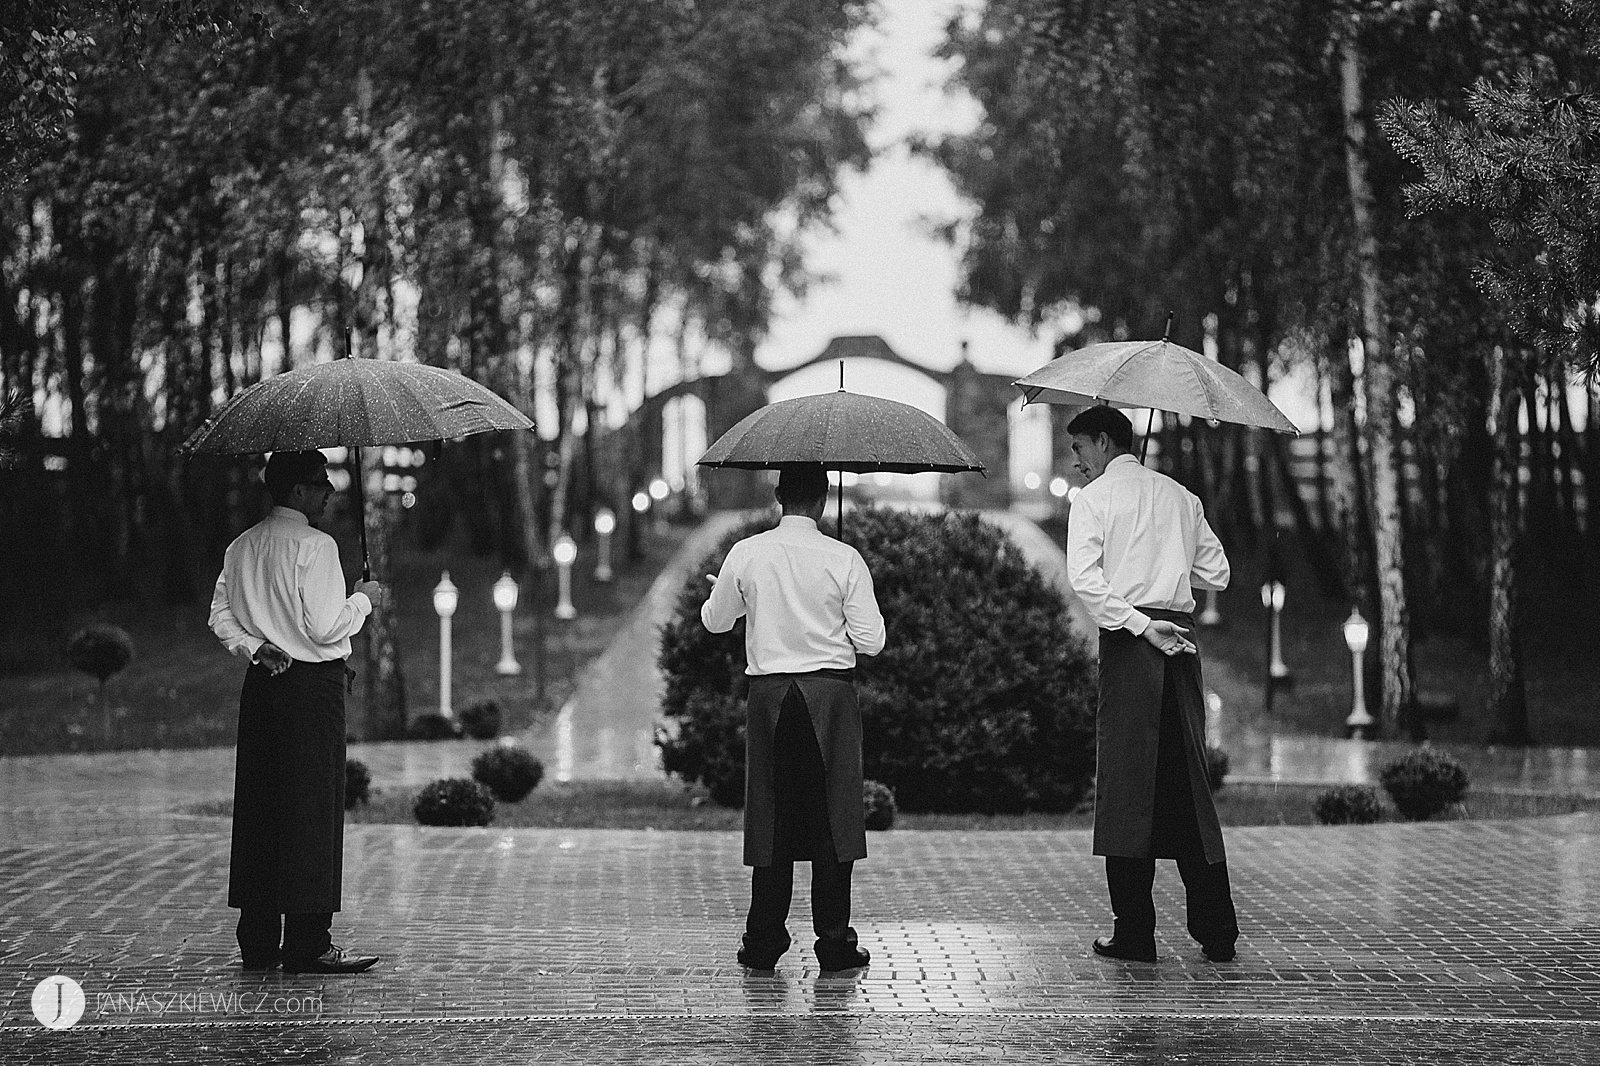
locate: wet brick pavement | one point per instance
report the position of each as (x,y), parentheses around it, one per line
(1457,942)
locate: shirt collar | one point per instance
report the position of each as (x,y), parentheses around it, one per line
(799,521)
(291,514)
(1119,460)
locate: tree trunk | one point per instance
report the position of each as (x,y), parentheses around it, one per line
(1508,699)
(386,710)
(1348,488)
(384,699)
(1591,477)
(285,314)
(1381,384)
(1313,542)
(1567,449)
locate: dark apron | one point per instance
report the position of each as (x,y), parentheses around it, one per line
(803,769)
(288,790)
(1148,785)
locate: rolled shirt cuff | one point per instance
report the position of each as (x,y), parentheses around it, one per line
(1137,623)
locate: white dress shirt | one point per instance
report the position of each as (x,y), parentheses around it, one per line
(809,600)
(1137,538)
(281,582)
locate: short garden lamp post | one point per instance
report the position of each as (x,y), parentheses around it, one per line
(505,599)
(659,490)
(641,506)
(565,552)
(1210,617)
(605,524)
(445,595)
(1272,599)
(1360,723)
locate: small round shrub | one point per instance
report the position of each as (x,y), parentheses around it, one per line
(983,700)
(481,721)
(100,650)
(1217,766)
(1423,782)
(1349,805)
(454,801)
(357,783)
(507,771)
(433,727)
(877,800)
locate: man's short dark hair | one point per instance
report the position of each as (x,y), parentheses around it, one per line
(802,484)
(285,470)
(1107,420)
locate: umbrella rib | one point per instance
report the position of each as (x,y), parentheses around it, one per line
(1201,380)
(1134,353)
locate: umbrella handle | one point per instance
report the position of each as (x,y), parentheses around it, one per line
(838,528)
(359,478)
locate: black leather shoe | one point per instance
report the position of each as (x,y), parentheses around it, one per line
(1111,949)
(1218,952)
(334,960)
(259,965)
(854,959)
(757,962)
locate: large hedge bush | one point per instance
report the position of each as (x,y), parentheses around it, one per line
(983,699)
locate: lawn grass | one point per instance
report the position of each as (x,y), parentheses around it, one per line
(182,691)
(668,805)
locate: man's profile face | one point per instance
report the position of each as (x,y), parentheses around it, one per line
(311,497)
(1090,454)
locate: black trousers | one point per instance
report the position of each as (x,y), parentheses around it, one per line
(266,937)
(1211,917)
(801,832)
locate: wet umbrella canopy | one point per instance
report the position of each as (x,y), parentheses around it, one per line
(353,403)
(1159,375)
(842,431)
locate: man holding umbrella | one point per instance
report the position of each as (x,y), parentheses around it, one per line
(810,609)
(1137,546)
(280,603)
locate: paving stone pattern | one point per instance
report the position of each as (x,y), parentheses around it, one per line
(1459,942)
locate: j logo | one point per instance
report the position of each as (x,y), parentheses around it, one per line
(58,1002)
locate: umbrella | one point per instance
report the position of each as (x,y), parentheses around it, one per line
(1159,375)
(842,431)
(353,403)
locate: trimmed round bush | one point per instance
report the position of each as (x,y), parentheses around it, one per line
(507,771)
(481,720)
(877,800)
(100,651)
(357,783)
(1348,805)
(1217,766)
(1423,782)
(983,700)
(454,801)
(433,726)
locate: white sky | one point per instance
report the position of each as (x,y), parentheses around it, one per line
(890,277)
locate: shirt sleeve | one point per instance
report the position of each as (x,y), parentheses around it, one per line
(1086,570)
(863,622)
(725,605)
(236,640)
(1210,569)
(327,614)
